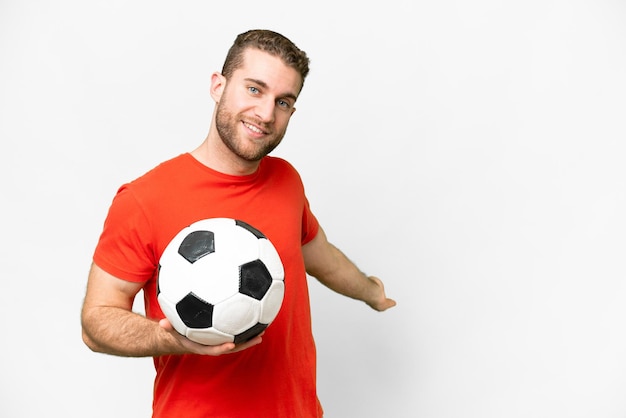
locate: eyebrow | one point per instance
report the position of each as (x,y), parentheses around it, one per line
(264,85)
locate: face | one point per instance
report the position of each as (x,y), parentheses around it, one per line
(255,105)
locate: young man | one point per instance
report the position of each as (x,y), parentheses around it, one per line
(228,175)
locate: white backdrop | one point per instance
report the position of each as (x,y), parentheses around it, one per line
(471,154)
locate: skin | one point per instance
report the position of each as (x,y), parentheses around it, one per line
(252,111)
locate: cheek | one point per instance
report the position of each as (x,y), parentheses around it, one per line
(283,117)
(235,101)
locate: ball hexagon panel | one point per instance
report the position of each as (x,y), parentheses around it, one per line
(169,310)
(272,301)
(271,259)
(236,314)
(213,278)
(209,336)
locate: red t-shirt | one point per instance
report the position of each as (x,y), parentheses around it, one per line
(273,379)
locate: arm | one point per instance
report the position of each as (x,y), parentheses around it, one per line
(332,268)
(110,326)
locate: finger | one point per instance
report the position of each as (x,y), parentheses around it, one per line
(390,303)
(166,325)
(383,305)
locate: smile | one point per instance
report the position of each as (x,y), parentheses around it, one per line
(253,128)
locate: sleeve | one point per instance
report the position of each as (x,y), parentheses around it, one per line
(125,249)
(310,225)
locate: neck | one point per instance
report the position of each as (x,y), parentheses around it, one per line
(215,155)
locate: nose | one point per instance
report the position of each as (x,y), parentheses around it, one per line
(264,109)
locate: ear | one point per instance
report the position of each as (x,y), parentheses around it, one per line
(218,83)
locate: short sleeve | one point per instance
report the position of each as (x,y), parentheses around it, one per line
(310,225)
(125,247)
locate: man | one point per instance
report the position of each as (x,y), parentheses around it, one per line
(228,175)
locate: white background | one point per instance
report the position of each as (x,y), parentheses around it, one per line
(471,154)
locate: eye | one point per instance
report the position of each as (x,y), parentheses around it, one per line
(253,90)
(283,103)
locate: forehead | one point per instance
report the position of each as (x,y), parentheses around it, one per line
(270,70)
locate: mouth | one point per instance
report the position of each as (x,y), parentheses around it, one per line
(254,129)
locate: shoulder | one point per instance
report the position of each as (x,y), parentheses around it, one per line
(166,174)
(282,178)
(167,169)
(277,164)
(156,184)
(280,171)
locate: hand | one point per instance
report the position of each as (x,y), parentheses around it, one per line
(188,346)
(381,302)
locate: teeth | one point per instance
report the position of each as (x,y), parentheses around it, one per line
(253,128)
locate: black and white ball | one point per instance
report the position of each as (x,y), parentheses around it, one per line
(220,280)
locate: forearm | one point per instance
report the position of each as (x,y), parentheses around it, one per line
(343,276)
(332,268)
(121,332)
(110,326)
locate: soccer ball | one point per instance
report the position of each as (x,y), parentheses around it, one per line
(220,280)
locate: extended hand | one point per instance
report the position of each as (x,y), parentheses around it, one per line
(381,302)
